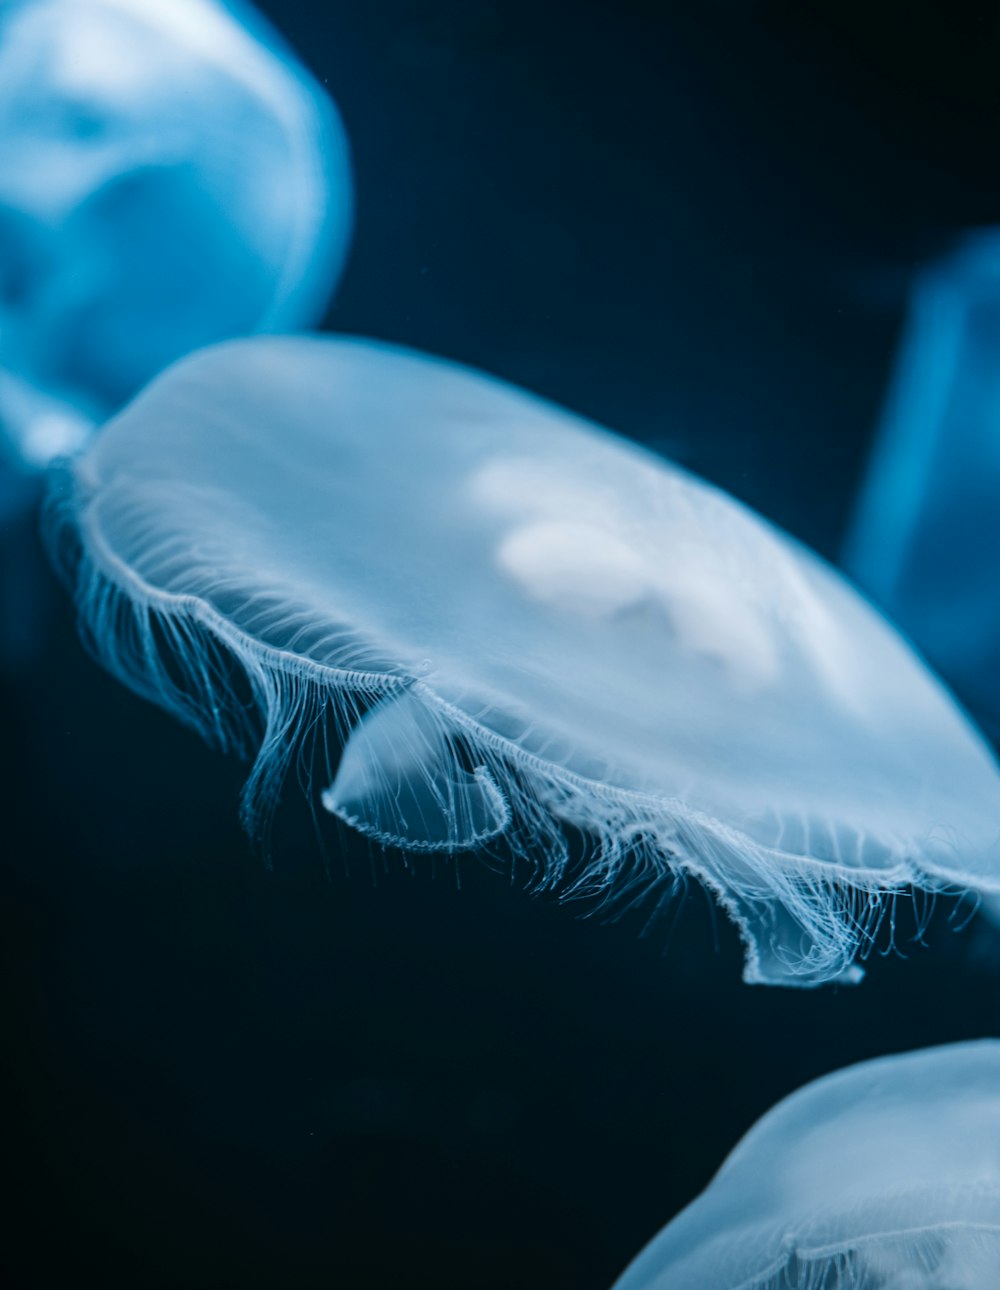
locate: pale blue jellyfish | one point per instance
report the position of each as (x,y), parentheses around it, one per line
(521,625)
(926,537)
(883,1176)
(170,175)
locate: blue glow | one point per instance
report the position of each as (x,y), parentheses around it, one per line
(927,530)
(519,622)
(170,175)
(883,1176)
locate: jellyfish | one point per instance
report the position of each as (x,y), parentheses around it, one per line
(170,175)
(521,630)
(883,1176)
(926,532)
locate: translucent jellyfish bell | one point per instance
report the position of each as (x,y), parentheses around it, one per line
(884,1176)
(927,530)
(169,176)
(522,625)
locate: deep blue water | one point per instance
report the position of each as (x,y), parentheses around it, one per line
(695,223)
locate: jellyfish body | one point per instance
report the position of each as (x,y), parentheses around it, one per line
(521,624)
(169,176)
(883,1176)
(927,530)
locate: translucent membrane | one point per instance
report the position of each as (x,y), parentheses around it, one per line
(884,1176)
(521,624)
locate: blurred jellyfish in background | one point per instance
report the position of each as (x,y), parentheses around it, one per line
(521,625)
(170,175)
(883,1176)
(926,537)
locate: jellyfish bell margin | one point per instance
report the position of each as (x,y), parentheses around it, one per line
(517,623)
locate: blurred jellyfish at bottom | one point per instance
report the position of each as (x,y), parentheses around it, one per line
(926,537)
(520,625)
(883,1176)
(170,175)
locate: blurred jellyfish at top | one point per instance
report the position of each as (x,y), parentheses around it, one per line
(883,1176)
(170,175)
(521,625)
(926,537)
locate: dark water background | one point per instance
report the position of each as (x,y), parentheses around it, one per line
(696,223)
